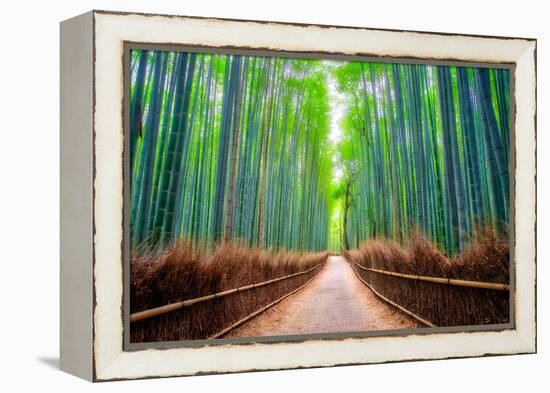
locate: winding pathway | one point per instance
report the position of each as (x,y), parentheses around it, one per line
(335,301)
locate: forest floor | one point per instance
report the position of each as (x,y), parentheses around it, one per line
(335,301)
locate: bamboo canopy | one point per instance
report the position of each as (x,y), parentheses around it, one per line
(425,148)
(219,143)
(442,280)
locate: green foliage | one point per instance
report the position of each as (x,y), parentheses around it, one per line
(239,148)
(236,149)
(430,150)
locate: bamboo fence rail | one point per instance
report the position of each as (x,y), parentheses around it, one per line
(401,308)
(261,310)
(152,312)
(441,280)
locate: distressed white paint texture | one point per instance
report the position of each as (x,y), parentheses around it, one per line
(112,30)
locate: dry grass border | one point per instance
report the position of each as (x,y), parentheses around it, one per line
(487,260)
(181,273)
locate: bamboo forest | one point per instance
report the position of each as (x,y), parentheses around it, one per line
(252,176)
(307,155)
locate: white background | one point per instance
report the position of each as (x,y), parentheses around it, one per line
(29,196)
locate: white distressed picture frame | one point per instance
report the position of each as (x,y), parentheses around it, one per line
(92,141)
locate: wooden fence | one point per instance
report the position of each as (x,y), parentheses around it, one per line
(453,302)
(441,280)
(145,314)
(261,310)
(378,294)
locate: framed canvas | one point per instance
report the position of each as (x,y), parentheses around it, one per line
(247,195)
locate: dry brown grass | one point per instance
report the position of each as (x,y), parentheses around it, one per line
(486,260)
(181,273)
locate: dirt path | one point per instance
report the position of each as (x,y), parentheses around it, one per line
(335,301)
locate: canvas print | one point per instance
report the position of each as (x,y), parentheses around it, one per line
(277,196)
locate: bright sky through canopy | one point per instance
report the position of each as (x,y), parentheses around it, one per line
(337,111)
